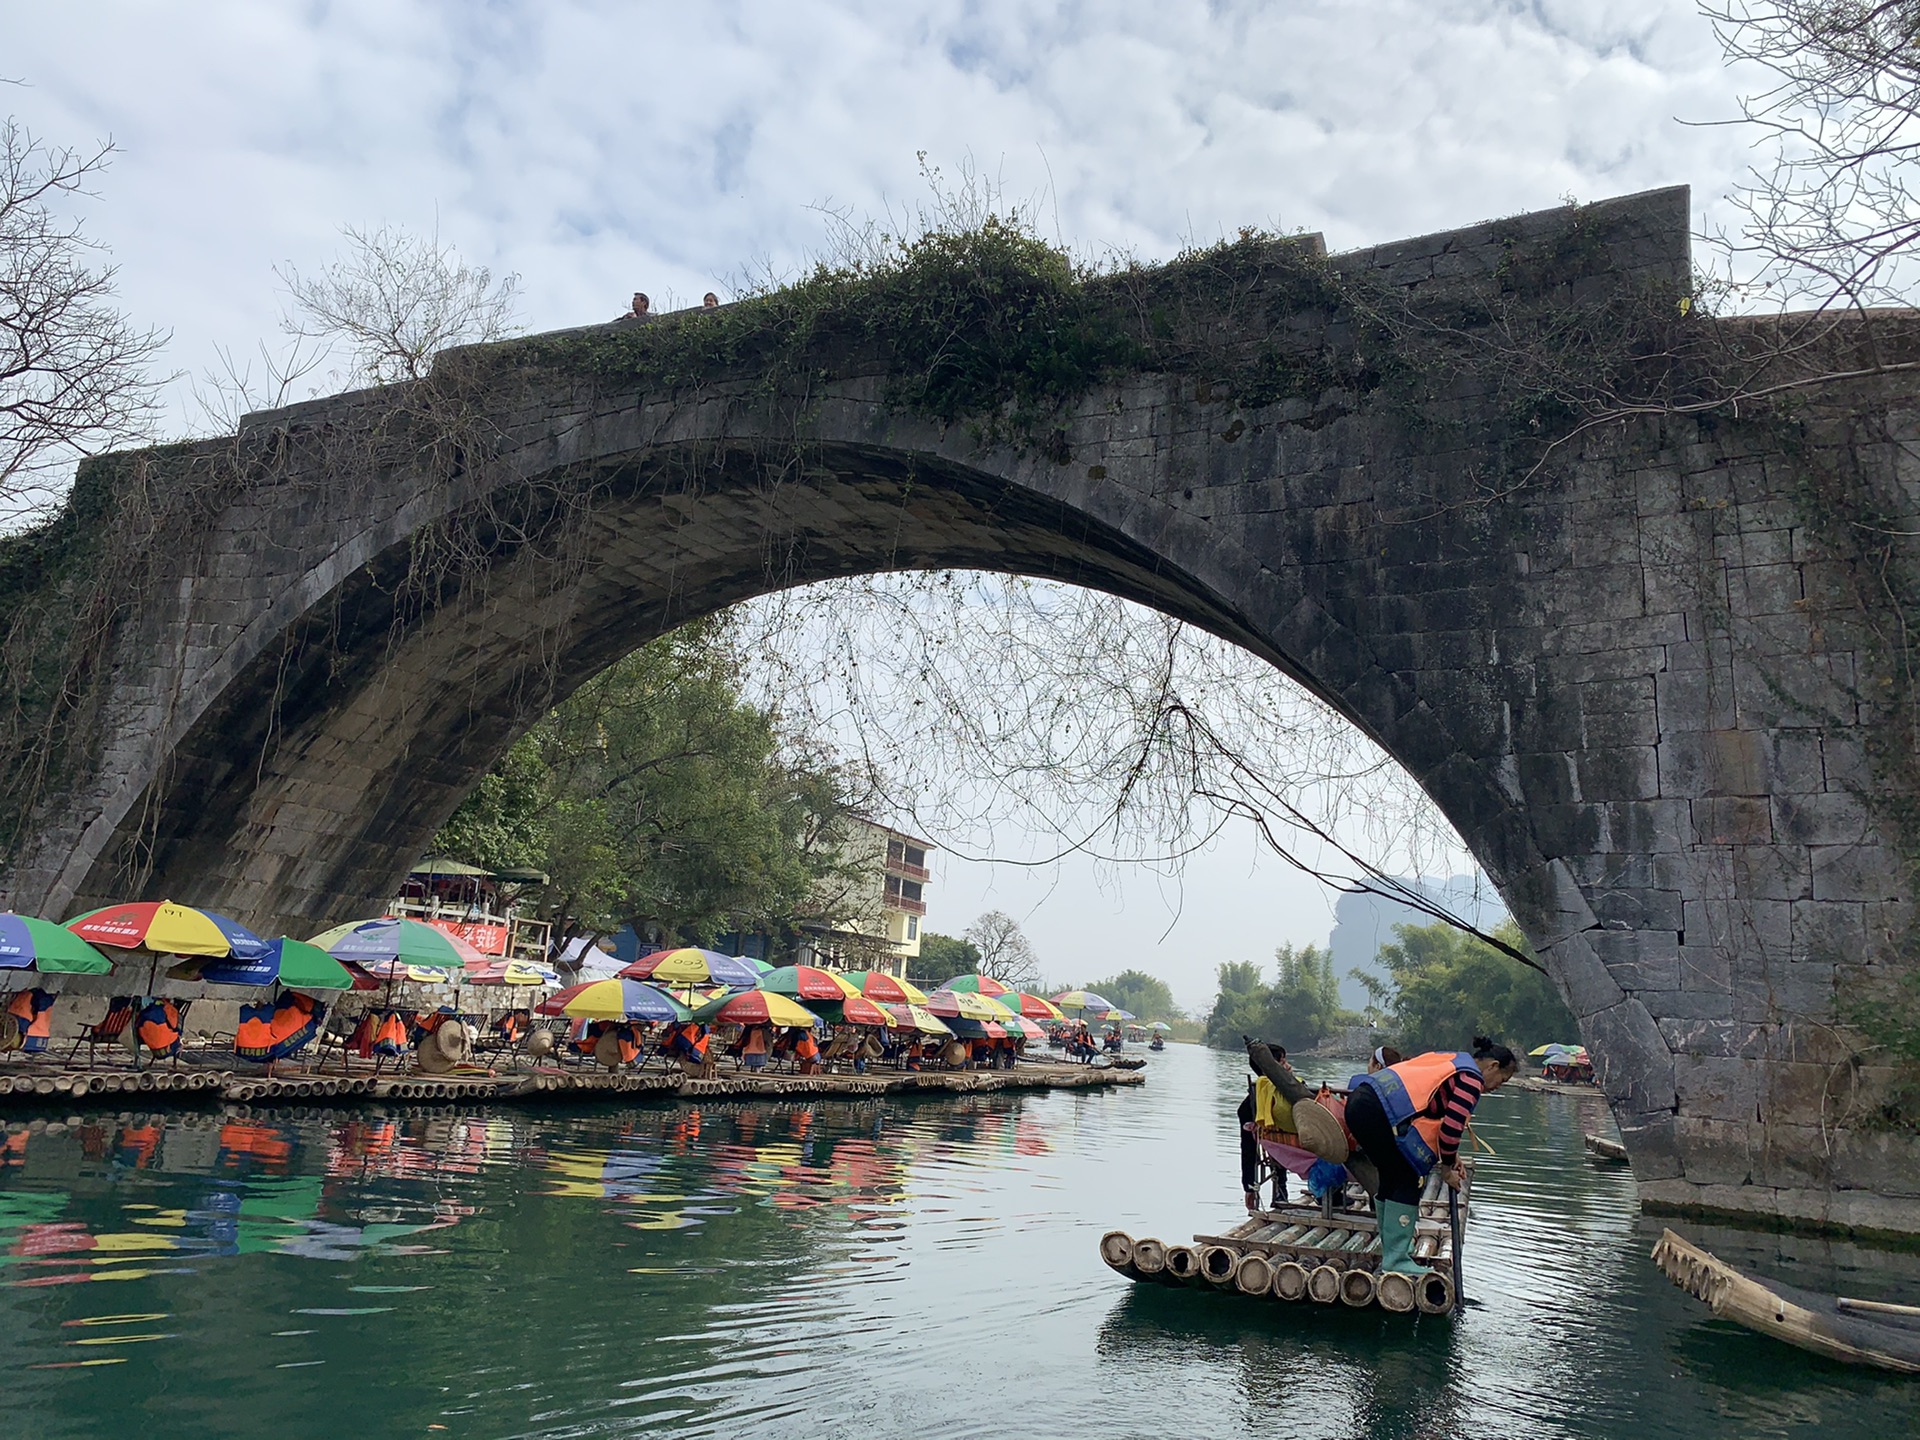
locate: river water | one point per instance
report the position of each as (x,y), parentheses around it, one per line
(920,1267)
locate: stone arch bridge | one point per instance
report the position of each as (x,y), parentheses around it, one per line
(1630,675)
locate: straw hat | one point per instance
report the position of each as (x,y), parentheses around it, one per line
(432,1060)
(606,1051)
(1319,1132)
(454,1042)
(540,1043)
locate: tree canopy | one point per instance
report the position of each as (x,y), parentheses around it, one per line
(655,797)
(1449,987)
(1147,996)
(941,958)
(1298,1010)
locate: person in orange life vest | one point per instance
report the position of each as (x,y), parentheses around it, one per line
(34,1010)
(689,1042)
(754,1046)
(254,1038)
(628,1037)
(1408,1119)
(159,1028)
(806,1050)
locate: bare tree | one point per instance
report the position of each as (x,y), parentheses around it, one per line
(74,372)
(1831,215)
(1006,954)
(394,300)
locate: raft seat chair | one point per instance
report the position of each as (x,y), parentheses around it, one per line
(107,1030)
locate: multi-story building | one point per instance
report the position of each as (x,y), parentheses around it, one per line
(884,905)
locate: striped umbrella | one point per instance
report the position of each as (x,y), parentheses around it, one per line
(1082,1000)
(888,989)
(161,927)
(854,1010)
(615,999)
(511,972)
(918,1017)
(30,944)
(804,982)
(293,964)
(689,966)
(1016,1025)
(394,938)
(965,1005)
(975,1029)
(1030,1006)
(979,985)
(757,1007)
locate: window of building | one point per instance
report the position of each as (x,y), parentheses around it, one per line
(910,889)
(916,856)
(893,885)
(896,851)
(913,927)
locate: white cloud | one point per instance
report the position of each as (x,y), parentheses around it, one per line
(600,147)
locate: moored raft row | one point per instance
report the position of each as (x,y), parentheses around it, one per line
(199,1085)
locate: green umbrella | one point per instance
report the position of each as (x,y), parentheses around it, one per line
(27,943)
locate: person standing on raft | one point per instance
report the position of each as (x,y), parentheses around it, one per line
(1409,1118)
(1267,1112)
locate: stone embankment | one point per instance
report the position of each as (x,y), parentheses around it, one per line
(187,1086)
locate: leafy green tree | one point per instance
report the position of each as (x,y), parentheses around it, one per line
(1147,996)
(656,797)
(1298,1010)
(1449,987)
(942,957)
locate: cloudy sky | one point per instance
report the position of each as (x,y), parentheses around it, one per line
(599,148)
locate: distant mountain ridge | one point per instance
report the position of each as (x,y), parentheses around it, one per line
(1363,923)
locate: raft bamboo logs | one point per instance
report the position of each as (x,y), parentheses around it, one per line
(1433,1293)
(1217,1265)
(1394,1291)
(1289,1280)
(1116,1248)
(1253,1274)
(1357,1288)
(1150,1259)
(1323,1284)
(1183,1263)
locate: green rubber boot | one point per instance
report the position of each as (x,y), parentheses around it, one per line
(1396,1237)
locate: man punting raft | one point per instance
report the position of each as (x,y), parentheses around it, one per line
(1380,1159)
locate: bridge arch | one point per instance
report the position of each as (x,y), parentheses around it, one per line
(341,640)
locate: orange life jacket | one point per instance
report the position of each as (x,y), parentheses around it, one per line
(1423,1076)
(699,1037)
(254,1038)
(629,1038)
(34,1010)
(756,1041)
(160,1028)
(390,1035)
(804,1048)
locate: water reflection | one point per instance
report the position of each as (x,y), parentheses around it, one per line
(843,1267)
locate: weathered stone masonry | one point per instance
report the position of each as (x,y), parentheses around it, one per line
(1629,681)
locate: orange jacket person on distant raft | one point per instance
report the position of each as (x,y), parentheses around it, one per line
(806,1050)
(390,1037)
(34,1010)
(296,1020)
(159,1028)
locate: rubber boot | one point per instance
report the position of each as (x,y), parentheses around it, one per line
(1396,1237)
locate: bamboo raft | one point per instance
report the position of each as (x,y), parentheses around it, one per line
(1855,1332)
(188,1086)
(1302,1252)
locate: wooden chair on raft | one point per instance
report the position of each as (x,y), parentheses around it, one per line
(108,1029)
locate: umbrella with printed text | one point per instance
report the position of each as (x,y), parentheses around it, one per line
(27,943)
(978,1029)
(979,985)
(160,927)
(523,973)
(1018,1025)
(887,989)
(290,964)
(853,1010)
(806,982)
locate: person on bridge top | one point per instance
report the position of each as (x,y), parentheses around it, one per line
(1408,1118)
(710,301)
(641,305)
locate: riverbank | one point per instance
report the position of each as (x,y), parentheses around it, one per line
(165,1087)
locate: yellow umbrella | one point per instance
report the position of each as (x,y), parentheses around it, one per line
(757,1007)
(920,1019)
(964,1004)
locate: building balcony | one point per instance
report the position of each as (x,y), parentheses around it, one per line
(906,906)
(909,872)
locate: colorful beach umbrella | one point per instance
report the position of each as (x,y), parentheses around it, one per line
(30,944)
(292,964)
(918,1017)
(964,1004)
(805,982)
(1161,1026)
(977,1029)
(763,966)
(853,1010)
(511,972)
(978,985)
(615,999)
(394,939)
(756,1007)
(1082,1000)
(888,989)
(1032,1007)
(160,927)
(1016,1025)
(691,967)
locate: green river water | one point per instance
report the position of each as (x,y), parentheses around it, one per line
(921,1267)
